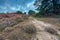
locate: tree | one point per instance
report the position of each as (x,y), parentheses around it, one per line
(19,12)
(47,7)
(56,6)
(31,12)
(24,12)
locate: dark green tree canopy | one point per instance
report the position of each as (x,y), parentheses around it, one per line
(31,12)
(24,12)
(19,12)
(47,7)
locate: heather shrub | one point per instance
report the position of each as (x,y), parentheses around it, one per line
(1,38)
(1,28)
(29,29)
(51,30)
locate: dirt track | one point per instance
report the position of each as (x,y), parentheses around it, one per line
(41,33)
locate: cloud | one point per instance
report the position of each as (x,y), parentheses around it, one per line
(17,5)
(30,6)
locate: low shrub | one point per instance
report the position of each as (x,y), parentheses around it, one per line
(1,38)
(1,28)
(51,30)
(29,29)
(58,16)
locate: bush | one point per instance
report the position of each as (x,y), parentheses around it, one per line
(1,38)
(19,20)
(58,16)
(51,30)
(19,12)
(29,29)
(1,28)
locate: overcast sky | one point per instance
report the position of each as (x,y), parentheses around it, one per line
(15,5)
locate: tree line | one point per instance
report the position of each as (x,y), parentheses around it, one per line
(46,8)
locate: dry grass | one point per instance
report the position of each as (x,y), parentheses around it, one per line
(54,21)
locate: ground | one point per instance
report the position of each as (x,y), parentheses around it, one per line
(11,28)
(54,21)
(42,34)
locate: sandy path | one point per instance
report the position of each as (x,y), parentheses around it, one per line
(41,34)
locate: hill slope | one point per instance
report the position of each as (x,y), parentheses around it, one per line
(23,27)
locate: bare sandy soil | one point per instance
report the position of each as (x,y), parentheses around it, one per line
(42,34)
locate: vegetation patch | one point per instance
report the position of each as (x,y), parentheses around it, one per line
(2,28)
(51,31)
(29,29)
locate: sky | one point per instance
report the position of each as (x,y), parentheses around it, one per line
(16,5)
